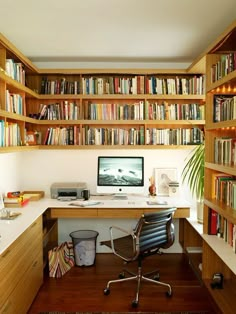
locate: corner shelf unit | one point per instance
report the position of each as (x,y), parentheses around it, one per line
(135,112)
(219,254)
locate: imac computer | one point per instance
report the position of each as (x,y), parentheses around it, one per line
(120,176)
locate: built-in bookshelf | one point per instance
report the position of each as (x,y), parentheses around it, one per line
(80,108)
(220,170)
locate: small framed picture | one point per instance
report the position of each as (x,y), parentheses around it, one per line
(30,138)
(1,201)
(163,176)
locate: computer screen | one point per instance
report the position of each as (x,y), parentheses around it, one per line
(120,175)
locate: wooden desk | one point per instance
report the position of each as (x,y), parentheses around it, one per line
(60,212)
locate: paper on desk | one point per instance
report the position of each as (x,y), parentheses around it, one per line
(84,203)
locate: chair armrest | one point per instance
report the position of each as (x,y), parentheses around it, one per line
(125,232)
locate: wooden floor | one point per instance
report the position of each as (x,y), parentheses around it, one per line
(81,289)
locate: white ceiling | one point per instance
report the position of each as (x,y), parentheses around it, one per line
(87,32)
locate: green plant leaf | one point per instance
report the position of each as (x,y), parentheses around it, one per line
(193,171)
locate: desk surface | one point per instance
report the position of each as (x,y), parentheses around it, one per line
(133,207)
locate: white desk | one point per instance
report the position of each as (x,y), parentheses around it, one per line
(131,208)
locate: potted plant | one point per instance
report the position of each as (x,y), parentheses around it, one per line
(193,175)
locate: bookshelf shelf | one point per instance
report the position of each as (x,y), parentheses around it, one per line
(93,147)
(123,96)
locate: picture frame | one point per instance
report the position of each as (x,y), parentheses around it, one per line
(1,202)
(163,176)
(30,138)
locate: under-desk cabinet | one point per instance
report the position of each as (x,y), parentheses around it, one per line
(21,271)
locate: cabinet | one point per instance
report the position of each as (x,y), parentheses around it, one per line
(219,255)
(89,108)
(50,235)
(21,271)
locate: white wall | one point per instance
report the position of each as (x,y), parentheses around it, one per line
(37,170)
(10,172)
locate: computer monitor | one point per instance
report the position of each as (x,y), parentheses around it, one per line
(120,175)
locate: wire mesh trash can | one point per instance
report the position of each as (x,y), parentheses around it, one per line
(84,243)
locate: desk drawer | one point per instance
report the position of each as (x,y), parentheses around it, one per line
(15,261)
(73,212)
(119,213)
(24,292)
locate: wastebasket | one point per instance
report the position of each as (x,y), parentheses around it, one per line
(84,243)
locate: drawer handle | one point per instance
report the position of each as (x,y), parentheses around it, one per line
(6,253)
(34,224)
(35,263)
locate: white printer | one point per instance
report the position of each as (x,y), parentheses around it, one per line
(67,190)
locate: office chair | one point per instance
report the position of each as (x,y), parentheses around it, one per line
(154,231)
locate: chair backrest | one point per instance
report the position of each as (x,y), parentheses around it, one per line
(155,231)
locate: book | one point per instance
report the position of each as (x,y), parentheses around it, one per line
(213,222)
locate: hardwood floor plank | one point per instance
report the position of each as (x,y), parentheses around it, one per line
(81,289)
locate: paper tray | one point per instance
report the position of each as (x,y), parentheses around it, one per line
(33,195)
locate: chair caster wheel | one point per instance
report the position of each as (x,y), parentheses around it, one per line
(134,303)
(169,294)
(122,275)
(106,291)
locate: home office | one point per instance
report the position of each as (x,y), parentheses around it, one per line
(38,160)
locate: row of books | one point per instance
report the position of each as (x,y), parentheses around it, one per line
(73,135)
(9,134)
(176,86)
(166,111)
(59,86)
(62,136)
(112,136)
(112,111)
(87,135)
(132,85)
(66,110)
(15,70)
(156,136)
(14,103)
(225,150)
(224,108)
(224,187)
(142,111)
(221,227)
(113,85)
(224,66)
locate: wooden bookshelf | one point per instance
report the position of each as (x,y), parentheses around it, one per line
(144,102)
(218,252)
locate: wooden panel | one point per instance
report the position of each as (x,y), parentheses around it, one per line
(73,213)
(15,261)
(225,298)
(213,264)
(24,293)
(119,213)
(2,58)
(191,237)
(50,237)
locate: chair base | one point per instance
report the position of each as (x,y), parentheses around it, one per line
(139,277)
